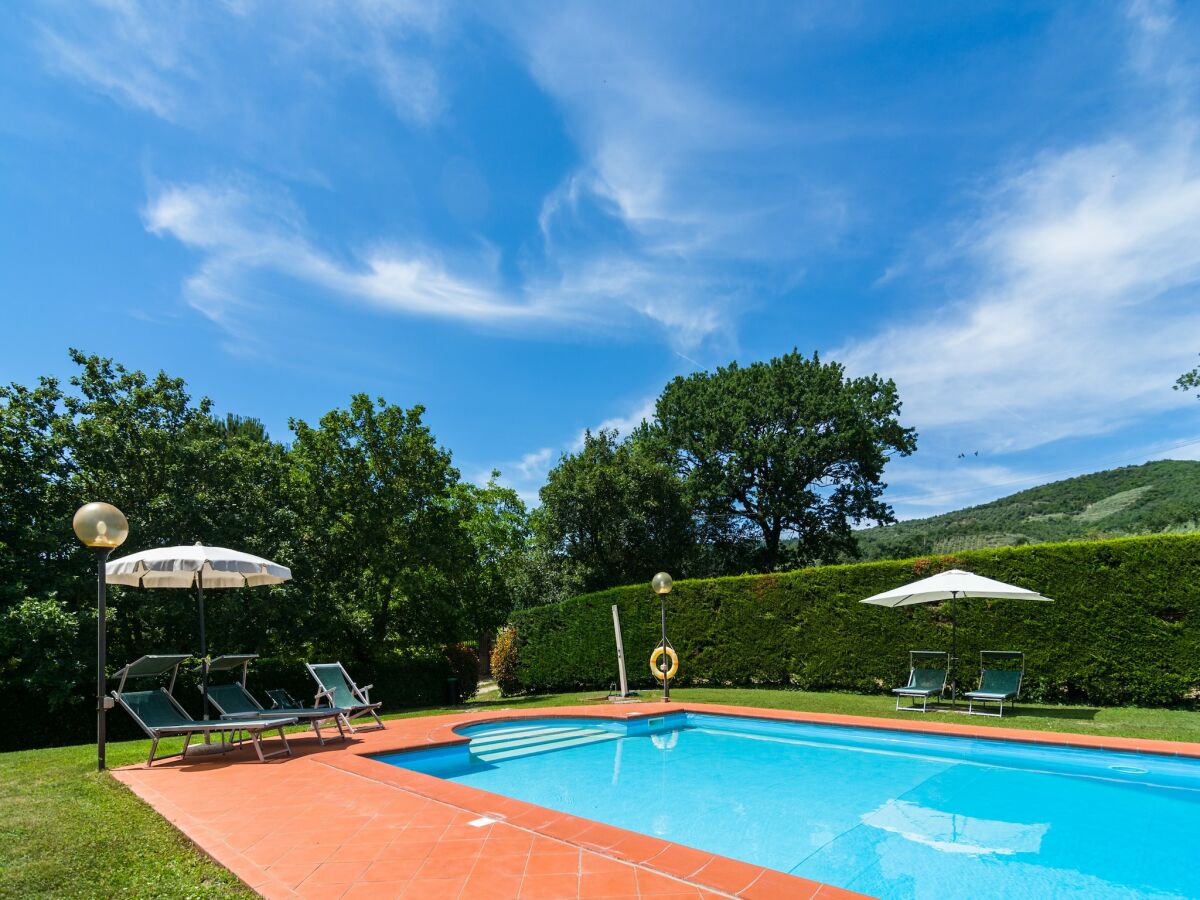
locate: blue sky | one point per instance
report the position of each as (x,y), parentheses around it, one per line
(529,217)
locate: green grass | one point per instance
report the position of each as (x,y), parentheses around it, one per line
(67,831)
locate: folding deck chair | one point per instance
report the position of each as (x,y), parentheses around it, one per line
(337,688)
(159,714)
(234,701)
(997,684)
(925,679)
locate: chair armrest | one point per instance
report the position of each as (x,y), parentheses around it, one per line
(323,695)
(365,690)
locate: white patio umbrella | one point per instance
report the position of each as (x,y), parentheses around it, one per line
(200,567)
(952,585)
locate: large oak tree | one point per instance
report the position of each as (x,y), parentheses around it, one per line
(790,448)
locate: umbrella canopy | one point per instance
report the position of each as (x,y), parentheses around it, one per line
(948,586)
(952,585)
(200,567)
(183,567)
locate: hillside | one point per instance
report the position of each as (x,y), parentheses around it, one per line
(1156,497)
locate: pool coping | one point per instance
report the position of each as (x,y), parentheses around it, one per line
(710,874)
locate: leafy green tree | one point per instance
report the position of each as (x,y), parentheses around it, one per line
(788,448)
(380,540)
(1189,381)
(616,511)
(497,524)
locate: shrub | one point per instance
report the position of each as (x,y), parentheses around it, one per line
(1125,627)
(506,657)
(464,665)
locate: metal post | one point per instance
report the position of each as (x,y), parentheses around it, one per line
(664,659)
(953,653)
(203,647)
(101,654)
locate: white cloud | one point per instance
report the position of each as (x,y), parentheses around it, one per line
(622,425)
(525,475)
(1085,308)
(120,50)
(241,231)
(167,59)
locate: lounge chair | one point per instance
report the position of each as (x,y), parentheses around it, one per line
(924,681)
(337,688)
(997,684)
(234,701)
(159,714)
(281,699)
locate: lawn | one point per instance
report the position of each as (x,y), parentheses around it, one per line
(69,832)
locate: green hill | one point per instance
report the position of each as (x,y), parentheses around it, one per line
(1152,498)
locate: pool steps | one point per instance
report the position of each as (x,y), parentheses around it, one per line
(513,743)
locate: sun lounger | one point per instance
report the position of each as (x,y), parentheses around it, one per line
(337,688)
(159,714)
(997,684)
(927,674)
(234,701)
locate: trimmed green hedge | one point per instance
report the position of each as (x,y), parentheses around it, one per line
(1125,627)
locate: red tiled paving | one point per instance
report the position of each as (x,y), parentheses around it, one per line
(330,822)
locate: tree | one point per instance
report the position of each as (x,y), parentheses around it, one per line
(380,539)
(497,525)
(1189,381)
(787,448)
(616,511)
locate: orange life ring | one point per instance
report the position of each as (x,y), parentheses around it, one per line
(657,655)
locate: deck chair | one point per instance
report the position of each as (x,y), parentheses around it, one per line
(281,699)
(997,683)
(159,714)
(927,673)
(337,688)
(234,701)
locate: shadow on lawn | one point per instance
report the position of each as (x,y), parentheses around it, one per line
(1079,713)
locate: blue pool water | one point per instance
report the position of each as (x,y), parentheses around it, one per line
(887,813)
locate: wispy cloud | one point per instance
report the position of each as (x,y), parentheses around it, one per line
(1087,275)
(168,59)
(242,231)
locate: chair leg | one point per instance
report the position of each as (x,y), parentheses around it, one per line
(153,747)
(316,726)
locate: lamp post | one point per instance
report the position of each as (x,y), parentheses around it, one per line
(661,585)
(102,527)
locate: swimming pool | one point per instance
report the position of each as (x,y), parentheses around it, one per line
(887,813)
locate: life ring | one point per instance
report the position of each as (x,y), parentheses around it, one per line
(657,655)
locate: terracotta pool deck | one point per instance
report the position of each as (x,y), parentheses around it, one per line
(330,822)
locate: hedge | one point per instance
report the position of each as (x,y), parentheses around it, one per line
(1124,627)
(400,682)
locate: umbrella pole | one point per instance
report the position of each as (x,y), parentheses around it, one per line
(203,646)
(954,654)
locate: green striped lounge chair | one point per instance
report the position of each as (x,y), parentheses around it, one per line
(159,714)
(234,701)
(1000,675)
(927,674)
(337,688)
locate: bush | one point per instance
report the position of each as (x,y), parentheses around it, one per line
(464,665)
(1125,627)
(505,662)
(401,682)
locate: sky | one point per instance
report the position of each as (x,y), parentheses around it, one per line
(528,218)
